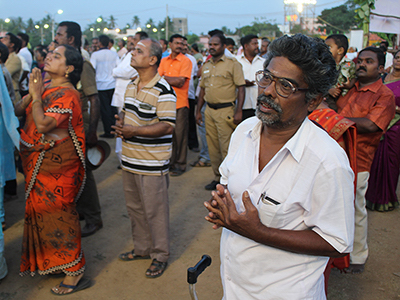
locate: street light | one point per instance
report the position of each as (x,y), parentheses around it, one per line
(7,20)
(60,11)
(41,30)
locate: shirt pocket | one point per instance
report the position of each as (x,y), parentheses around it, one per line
(206,78)
(267,211)
(222,79)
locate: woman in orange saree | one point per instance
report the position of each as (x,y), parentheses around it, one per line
(52,152)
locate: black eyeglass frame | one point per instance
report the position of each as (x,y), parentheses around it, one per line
(276,79)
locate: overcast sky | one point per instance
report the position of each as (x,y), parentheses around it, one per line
(202,15)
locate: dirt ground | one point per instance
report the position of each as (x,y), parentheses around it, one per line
(191,237)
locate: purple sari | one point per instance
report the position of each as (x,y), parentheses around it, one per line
(381,193)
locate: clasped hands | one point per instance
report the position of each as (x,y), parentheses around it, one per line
(223,213)
(36,86)
(121,130)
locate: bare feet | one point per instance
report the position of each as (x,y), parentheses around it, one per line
(68,280)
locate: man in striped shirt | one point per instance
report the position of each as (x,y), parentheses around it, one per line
(146,124)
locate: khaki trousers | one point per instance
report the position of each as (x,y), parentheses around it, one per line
(218,133)
(147,204)
(360,246)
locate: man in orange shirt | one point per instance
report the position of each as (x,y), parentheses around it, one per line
(177,69)
(370,104)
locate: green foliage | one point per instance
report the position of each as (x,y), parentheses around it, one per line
(338,19)
(362,16)
(297,29)
(227,31)
(260,29)
(135,22)
(192,38)
(387,37)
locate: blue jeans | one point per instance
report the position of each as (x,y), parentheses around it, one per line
(204,156)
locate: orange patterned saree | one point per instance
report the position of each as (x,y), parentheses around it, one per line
(54,178)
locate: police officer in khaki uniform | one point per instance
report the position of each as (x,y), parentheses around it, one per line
(221,80)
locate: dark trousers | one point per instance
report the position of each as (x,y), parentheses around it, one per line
(88,203)
(107,111)
(180,139)
(248,113)
(193,142)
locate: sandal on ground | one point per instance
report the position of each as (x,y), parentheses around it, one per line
(82,284)
(129,256)
(199,163)
(156,269)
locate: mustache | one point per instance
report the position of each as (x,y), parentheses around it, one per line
(264,99)
(362,68)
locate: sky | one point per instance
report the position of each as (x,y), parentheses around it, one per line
(202,15)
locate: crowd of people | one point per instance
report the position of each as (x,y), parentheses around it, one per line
(301,139)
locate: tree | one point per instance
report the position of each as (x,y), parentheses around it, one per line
(192,38)
(227,31)
(16,25)
(96,28)
(338,19)
(297,28)
(112,22)
(260,29)
(136,22)
(163,27)
(362,16)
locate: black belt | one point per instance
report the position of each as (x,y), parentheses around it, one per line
(220,105)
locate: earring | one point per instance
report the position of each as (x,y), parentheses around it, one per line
(66,74)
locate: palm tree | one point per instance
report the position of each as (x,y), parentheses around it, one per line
(112,22)
(135,21)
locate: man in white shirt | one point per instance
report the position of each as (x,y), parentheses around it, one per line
(104,61)
(123,74)
(292,206)
(388,56)
(27,65)
(251,63)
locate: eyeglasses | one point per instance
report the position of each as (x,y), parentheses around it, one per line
(283,87)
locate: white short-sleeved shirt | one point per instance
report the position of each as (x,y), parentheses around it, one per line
(311,179)
(195,68)
(249,72)
(104,61)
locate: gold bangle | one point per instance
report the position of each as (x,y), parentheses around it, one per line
(37,100)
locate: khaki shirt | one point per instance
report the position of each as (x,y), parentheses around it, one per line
(14,66)
(87,87)
(221,79)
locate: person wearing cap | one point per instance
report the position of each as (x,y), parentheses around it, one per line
(146,124)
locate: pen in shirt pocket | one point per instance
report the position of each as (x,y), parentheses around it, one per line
(267,200)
